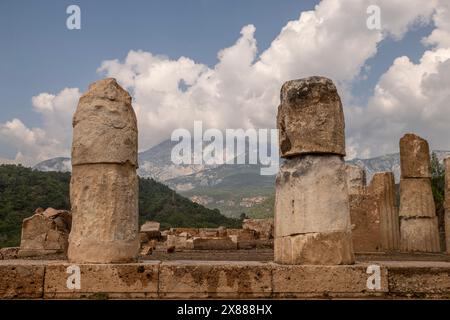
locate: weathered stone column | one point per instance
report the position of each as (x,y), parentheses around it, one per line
(447,204)
(104,184)
(373,211)
(418,220)
(312,220)
(382,188)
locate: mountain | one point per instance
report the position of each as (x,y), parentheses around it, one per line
(389,162)
(22,190)
(232,188)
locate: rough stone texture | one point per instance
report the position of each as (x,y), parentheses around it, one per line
(9,253)
(416,198)
(131,280)
(214,243)
(447,230)
(419,280)
(414,157)
(104,126)
(331,248)
(419,234)
(104,184)
(325,281)
(232,280)
(21,281)
(46,232)
(262,227)
(382,188)
(311,196)
(150,226)
(365,219)
(356,179)
(177,241)
(105,214)
(24,279)
(447,183)
(310,118)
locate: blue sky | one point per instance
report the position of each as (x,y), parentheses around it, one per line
(39,54)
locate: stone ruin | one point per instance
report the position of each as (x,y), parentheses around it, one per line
(45,233)
(373,211)
(256,233)
(318,201)
(312,219)
(418,220)
(447,204)
(104,184)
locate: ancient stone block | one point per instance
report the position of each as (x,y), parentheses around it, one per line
(447,183)
(356,179)
(299,281)
(447,230)
(262,227)
(104,205)
(416,198)
(365,219)
(21,279)
(9,253)
(414,157)
(330,248)
(382,188)
(46,232)
(104,126)
(150,226)
(104,184)
(210,279)
(214,243)
(310,118)
(311,196)
(419,234)
(131,280)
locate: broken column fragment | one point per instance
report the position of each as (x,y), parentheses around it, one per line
(373,211)
(382,188)
(418,220)
(447,204)
(312,220)
(104,184)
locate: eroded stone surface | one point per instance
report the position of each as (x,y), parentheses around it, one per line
(104,126)
(104,281)
(104,184)
(331,248)
(21,281)
(311,196)
(310,118)
(414,157)
(262,227)
(46,232)
(382,188)
(325,281)
(197,279)
(105,213)
(416,198)
(419,234)
(356,179)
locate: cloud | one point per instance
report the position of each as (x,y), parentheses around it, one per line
(242,89)
(50,140)
(409,97)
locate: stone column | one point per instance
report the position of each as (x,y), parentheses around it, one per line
(418,220)
(312,220)
(382,188)
(447,204)
(104,184)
